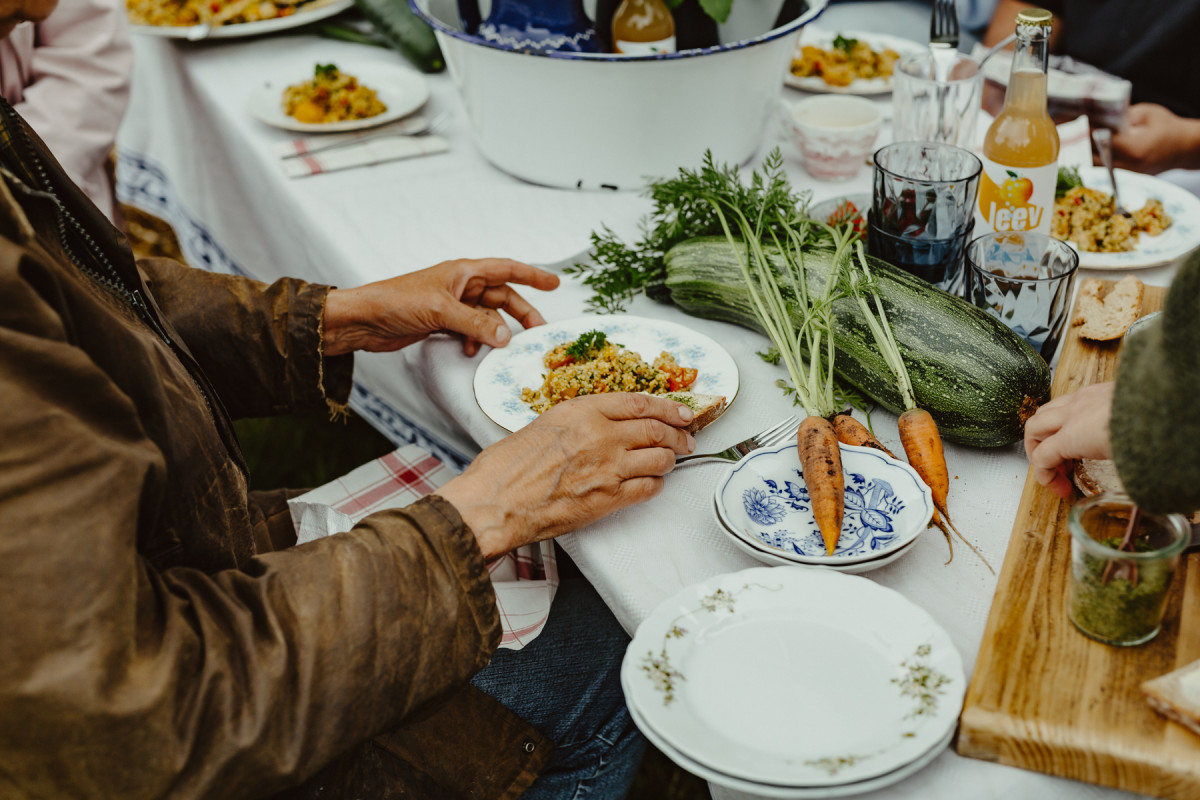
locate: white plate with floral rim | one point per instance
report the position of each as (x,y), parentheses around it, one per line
(763,500)
(785,792)
(773,556)
(401,89)
(505,371)
(304,14)
(824,39)
(794,676)
(1150,251)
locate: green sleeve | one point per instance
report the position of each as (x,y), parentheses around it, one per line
(1155,425)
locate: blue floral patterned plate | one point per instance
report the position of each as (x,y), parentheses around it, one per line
(505,371)
(764,501)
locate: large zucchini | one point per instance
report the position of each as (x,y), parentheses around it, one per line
(405,31)
(978,379)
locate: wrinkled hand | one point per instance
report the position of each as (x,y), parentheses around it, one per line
(463,297)
(1154,140)
(576,463)
(1068,427)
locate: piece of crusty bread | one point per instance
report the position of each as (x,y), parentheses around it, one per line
(1105,318)
(1094,475)
(1176,695)
(707,407)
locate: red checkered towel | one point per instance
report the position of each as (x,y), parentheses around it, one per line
(525,580)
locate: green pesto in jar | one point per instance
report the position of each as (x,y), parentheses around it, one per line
(1119,610)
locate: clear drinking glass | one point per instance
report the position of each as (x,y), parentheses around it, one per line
(923,208)
(926,110)
(1026,280)
(1119,596)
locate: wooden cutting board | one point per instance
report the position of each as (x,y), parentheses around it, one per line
(1043,696)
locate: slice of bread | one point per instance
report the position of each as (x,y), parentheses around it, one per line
(707,407)
(1094,475)
(1176,696)
(1106,318)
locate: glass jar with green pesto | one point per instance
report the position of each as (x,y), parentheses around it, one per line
(1122,563)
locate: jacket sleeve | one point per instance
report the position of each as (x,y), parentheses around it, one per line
(260,345)
(77,89)
(1155,425)
(118,680)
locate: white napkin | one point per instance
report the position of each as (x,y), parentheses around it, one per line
(524,580)
(306,156)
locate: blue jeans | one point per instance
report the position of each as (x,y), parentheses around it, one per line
(566,683)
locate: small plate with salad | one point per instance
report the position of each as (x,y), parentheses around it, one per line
(1083,218)
(513,383)
(849,209)
(846,62)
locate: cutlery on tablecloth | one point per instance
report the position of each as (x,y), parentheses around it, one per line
(776,434)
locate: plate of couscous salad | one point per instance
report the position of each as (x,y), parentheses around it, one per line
(333,98)
(1165,224)
(551,363)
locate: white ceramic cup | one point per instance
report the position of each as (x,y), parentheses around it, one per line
(835,134)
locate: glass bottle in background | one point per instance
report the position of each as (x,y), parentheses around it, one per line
(643,27)
(1020,150)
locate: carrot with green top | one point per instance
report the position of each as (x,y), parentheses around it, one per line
(821,466)
(807,351)
(918,432)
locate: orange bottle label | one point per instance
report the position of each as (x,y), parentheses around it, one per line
(1015,198)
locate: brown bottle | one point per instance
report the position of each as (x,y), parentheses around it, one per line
(643,27)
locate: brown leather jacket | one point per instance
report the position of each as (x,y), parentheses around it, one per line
(154,638)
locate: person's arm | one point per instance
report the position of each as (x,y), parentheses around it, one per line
(1146,420)
(287,346)
(1154,140)
(259,345)
(120,680)
(78,89)
(1155,426)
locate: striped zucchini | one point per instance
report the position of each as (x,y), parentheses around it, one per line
(978,379)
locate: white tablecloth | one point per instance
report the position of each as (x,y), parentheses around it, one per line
(191,152)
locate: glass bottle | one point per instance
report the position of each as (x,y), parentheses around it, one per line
(1020,149)
(643,27)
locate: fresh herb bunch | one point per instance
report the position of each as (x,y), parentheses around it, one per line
(683,210)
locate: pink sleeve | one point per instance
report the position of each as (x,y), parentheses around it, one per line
(77,88)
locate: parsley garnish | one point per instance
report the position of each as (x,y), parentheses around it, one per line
(325,71)
(1068,179)
(591,342)
(845,45)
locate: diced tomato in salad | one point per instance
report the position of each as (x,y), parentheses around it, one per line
(680,378)
(848,213)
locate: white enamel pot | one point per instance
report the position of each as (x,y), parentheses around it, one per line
(589,121)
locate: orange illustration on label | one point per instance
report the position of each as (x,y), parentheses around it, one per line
(1006,207)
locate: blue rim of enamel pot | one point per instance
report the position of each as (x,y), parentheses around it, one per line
(814,10)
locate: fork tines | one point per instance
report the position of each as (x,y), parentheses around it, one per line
(943,23)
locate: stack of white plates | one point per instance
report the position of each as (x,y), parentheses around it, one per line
(762,505)
(794,682)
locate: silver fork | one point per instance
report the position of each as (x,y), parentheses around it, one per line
(1103,139)
(776,434)
(943,50)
